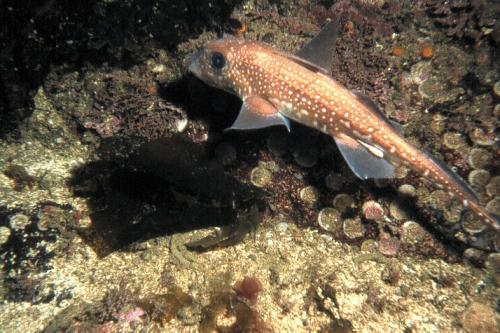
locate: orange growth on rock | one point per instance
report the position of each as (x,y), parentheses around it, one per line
(398,51)
(427,51)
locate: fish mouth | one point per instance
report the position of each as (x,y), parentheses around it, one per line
(192,62)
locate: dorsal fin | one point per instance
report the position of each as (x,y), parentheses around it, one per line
(310,66)
(376,110)
(319,50)
(225,35)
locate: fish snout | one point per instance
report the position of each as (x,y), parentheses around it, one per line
(192,62)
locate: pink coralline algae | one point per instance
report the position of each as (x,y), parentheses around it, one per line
(131,316)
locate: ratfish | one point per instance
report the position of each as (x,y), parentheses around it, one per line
(276,86)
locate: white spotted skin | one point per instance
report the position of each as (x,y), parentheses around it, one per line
(316,100)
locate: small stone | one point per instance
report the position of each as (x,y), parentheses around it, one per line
(479,137)
(343,202)
(397,211)
(270,165)
(50,217)
(453,214)
(471,224)
(412,233)
(400,172)
(493,187)
(391,274)
(353,228)
(330,220)
(383,182)
(225,153)
(146,255)
(439,199)
(438,92)
(420,72)
(369,245)
(281,223)
(159,68)
(305,155)
(372,210)
(489,78)
(496,89)
(84,222)
(19,221)
(280,226)
(479,158)
(494,205)
(479,178)
(492,265)
(334,181)
(261,176)
(496,110)
(481,103)
(278,143)
(89,137)
(438,124)
(389,246)
(480,318)
(474,256)
(4,235)
(453,140)
(181,124)
(310,195)
(407,190)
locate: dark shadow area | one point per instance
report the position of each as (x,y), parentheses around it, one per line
(219,109)
(170,185)
(39,35)
(216,107)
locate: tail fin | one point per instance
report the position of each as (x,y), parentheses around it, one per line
(495,219)
(464,187)
(466,194)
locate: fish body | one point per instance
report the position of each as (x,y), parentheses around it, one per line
(275,86)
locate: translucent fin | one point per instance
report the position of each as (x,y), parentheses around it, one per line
(465,188)
(496,220)
(319,50)
(257,112)
(376,110)
(363,163)
(310,66)
(375,151)
(228,36)
(397,126)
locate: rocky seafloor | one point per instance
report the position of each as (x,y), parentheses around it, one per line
(125,207)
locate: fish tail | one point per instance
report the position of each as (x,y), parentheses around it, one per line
(488,217)
(443,175)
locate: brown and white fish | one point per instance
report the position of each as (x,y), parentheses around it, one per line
(275,86)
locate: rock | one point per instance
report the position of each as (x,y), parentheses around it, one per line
(480,318)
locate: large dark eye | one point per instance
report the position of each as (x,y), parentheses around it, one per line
(218,60)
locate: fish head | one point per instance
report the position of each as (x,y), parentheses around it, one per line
(215,63)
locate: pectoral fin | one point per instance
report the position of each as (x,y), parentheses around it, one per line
(256,112)
(366,161)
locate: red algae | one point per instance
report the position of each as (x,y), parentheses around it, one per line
(248,288)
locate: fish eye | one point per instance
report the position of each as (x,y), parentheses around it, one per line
(218,60)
